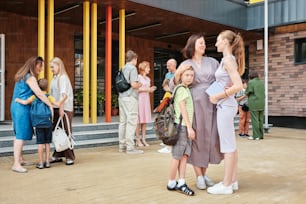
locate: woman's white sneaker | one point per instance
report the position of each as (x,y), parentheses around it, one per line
(235,186)
(220,189)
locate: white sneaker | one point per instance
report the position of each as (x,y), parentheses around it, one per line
(201,183)
(251,138)
(165,150)
(162,144)
(208,181)
(134,151)
(220,189)
(235,186)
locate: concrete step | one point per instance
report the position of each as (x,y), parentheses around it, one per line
(32,148)
(86,135)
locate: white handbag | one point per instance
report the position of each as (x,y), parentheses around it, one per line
(61,140)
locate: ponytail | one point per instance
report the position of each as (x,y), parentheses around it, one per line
(235,40)
(239,53)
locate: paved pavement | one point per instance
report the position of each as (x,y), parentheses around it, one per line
(271,171)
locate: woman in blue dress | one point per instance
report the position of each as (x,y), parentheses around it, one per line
(25,86)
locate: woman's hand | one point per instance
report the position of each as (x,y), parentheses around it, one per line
(61,112)
(191,133)
(213,99)
(181,69)
(153,88)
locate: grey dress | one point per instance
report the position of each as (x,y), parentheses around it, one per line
(205,148)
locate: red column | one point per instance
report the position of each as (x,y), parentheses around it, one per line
(108,64)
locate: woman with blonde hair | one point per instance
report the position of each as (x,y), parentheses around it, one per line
(228,74)
(144,105)
(61,89)
(25,86)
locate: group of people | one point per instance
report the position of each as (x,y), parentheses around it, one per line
(27,88)
(134,105)
(206,134)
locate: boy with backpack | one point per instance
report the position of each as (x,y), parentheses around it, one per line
(183,106)
(43,132)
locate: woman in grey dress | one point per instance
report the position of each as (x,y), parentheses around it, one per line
(228,74)
(205,148)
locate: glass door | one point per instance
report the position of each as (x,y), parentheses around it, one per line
(2,72)
(161,56)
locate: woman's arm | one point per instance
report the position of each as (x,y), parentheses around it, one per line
(177,75)
(23,102)
(61,105)
(148,89)
(231,67)
(32,82)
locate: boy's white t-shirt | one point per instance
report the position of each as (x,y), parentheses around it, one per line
(59,85)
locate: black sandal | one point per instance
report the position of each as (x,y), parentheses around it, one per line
(185,189)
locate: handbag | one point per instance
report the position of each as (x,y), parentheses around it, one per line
(61,140)
(245,107)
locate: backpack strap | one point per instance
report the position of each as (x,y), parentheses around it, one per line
(172,101)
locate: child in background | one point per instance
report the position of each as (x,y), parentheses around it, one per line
(183,106)
(43,135)
(165,100)
(244,115)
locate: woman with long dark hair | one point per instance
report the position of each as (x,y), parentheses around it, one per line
(205,148)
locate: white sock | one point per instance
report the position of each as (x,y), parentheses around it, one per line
(172,183)
(181,182)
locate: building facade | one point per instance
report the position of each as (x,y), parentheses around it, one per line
(164,28)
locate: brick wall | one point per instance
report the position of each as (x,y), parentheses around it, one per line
(286,80)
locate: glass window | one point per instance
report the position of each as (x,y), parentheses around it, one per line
(300,51)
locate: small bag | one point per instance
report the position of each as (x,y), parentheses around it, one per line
(61,140)
(121,83)
(245,107)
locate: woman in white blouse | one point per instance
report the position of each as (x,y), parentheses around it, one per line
(61,89)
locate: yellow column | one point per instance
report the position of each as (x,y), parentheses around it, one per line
(86,62)
(121,38)
(50,39)
(94,42)
(41,32)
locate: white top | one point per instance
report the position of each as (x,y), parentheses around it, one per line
(59,85)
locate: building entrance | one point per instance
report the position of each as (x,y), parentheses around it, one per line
(161,56)
(78,70)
